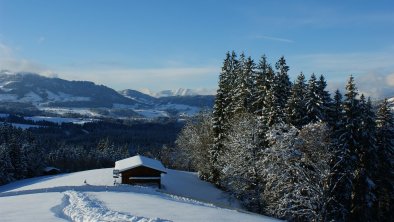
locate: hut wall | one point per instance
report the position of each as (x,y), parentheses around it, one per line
(140,171)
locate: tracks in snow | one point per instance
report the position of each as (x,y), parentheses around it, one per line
(78,206)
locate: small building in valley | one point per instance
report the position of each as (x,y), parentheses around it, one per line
(51,170)
(139,170)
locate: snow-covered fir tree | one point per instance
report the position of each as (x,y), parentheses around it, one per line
(345,158)
(295,108)
(272,112)
(335,113)
(194,143)
(219,117)
(324,97)
(240,171)
(363,194)
(294,168)
(283,84)
(243,97)
(385,169)
(261,86)
(314,109)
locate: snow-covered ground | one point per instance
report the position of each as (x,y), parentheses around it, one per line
(64,111)
(67,197)
(150,113)
(25,126)
(4,115)
(60,120)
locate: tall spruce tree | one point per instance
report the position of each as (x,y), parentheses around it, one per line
(272,112)
(243,87)
(363,195)
(283,84)
(234,67)
(345,158)
(324,98)
(295,108)
(220,117)
(313,101)
(335,112)
(385,172)
(261,85)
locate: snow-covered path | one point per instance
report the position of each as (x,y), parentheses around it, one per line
(79,206)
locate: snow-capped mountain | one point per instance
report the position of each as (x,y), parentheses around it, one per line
(21,91)
(179,92)
(54,92)
(138,96)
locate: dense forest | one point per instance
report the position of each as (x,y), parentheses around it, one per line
(72,147)
(291,150)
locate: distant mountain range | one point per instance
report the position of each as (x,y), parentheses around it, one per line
(32,91)
(179,92)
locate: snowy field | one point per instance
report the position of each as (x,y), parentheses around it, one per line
(64,111)
(60,120)
(25,126)
(67,197)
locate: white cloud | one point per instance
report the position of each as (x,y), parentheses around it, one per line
(156,79)
(377,86)
(10,61)
(111,75)
(272,38)
(345,63)
(373,71)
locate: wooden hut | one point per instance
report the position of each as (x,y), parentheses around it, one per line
(139,170)
(51,170)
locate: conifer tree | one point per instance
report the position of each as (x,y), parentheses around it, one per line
(345,158)
(272,112)
(6,168)
(240,172)
(261,85)
(17,157)
(233,70)
(242,97)
(295,108)
(363,195)
(219,114)
(335,112)
(313,102)
(385,172)
(324,97)
(262,106)
(283,84)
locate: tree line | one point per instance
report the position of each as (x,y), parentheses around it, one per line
(291,150)
(22,155)
(72,147)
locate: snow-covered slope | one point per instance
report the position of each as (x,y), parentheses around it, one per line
(67,197)
(42,91)
(32,92)
(178,92)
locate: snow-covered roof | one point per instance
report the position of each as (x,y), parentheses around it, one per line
(136,161)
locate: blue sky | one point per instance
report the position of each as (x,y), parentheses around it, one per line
(170,44)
